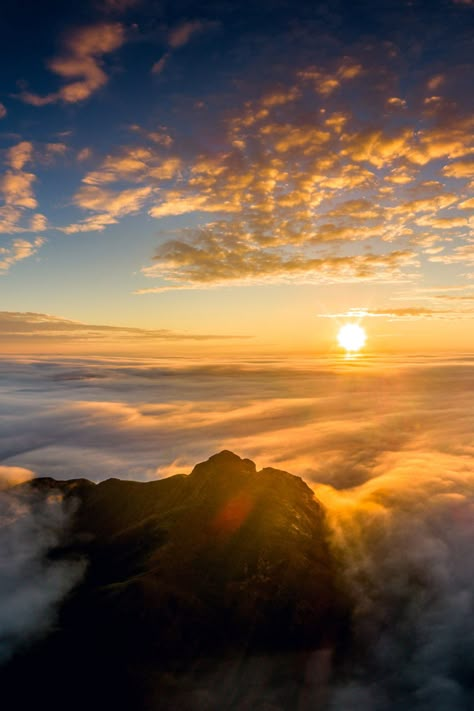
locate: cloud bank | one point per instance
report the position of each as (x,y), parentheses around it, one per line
(385,443)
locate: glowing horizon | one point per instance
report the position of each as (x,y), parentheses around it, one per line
(167,187)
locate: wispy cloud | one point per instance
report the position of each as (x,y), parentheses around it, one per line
(37,326)
(178,37)
(107,206)
(405,313)
(18,250)
(80,64)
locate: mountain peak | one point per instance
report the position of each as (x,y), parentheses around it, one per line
(213,570)
(225,461)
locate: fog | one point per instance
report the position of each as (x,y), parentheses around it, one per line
(386,444)
(31,584)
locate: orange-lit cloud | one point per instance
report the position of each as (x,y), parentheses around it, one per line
(231,259)
(11,476)
(18,250)
(325,83)
(80,64)
(109,206)
(460,169)
(16,190)
(282,195)
(19,155)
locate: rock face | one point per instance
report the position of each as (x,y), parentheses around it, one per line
(215,590)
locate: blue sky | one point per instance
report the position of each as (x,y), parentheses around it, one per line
(221,169)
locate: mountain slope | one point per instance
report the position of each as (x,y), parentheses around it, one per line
(213,590)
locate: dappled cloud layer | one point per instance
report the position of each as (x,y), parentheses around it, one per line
(350,160)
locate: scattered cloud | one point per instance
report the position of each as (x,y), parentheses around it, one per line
(84,154)
(178,37)
(396,103)
(38,223)
(18,250)
(226,257)
(159,66)
(460,169)
(19,155)
(80,64)
(182,33)
(108,205)
(294,174)
(16,190)
(324,82)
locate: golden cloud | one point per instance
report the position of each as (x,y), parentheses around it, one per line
(18,250)
(284,186)
(80,64)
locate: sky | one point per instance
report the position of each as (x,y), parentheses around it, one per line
(191,192)
(230,177)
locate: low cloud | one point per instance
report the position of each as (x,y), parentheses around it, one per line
(31,585)
(11,476)
(404,538)
(386,445)
(135,418)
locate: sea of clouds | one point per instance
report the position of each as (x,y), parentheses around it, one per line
(387,444)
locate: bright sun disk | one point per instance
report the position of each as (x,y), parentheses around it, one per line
(351,337)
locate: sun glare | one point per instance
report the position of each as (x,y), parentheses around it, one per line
(351,337)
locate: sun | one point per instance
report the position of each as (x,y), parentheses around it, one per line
(351,337)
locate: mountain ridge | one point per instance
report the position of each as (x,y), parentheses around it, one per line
(226,563)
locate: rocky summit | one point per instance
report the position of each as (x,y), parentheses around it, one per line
(213,590)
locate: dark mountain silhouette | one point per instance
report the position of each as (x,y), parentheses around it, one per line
(215,590)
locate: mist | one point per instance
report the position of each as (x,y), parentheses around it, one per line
(32,585)
(386,446)
(405,541)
